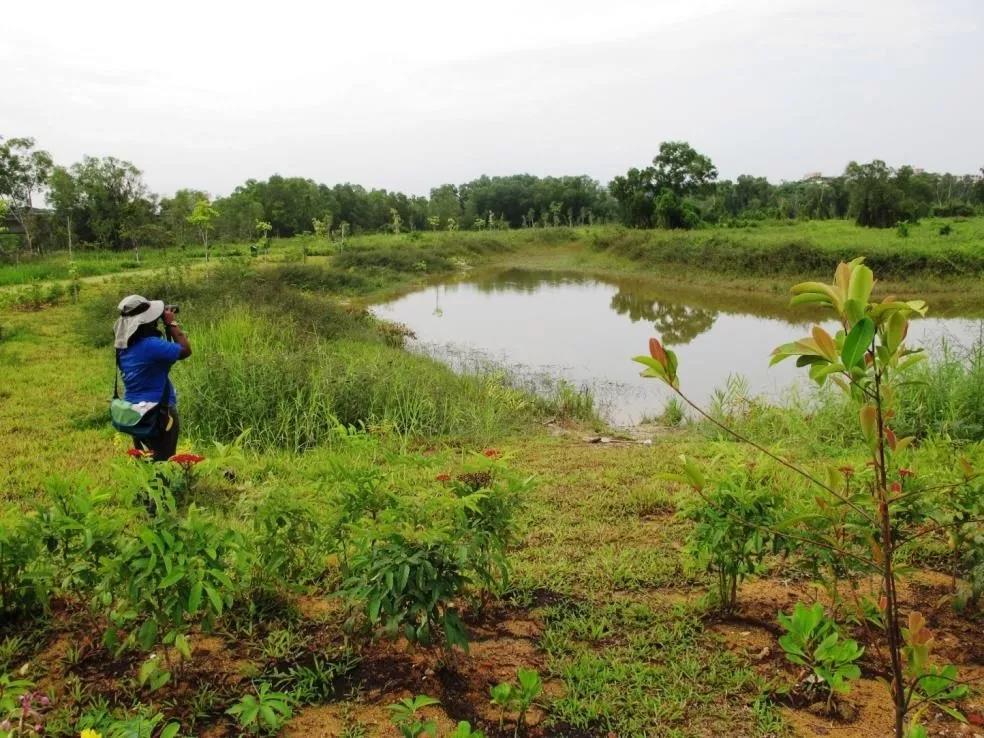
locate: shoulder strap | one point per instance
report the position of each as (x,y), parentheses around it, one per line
(116,377)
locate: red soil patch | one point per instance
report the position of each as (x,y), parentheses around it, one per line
(501,643)
(865,713)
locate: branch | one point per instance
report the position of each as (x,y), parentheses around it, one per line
(861,511)
(936,528)
(823,544)
(912,688)
(935,488)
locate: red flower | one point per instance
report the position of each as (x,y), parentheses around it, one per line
(443,478)
(139,453)
(492,453)
(847,471)
(186,459)
(896,488)
(905,472)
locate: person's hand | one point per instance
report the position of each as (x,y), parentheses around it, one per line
(168,317)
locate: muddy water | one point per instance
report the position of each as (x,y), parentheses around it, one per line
(585,330)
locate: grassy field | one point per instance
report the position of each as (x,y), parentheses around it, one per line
(329,448)
(760,250)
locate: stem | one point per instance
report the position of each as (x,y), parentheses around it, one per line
(888,553)
(806,475)
(936,528)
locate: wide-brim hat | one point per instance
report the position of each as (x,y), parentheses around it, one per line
(135,311)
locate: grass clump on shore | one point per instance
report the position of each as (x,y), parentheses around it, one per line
(804,248)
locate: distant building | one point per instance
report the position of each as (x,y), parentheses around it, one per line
(12,225)
(9,224)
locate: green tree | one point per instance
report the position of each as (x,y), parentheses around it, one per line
(677,169)
(680,168)
(671,211)
(63,194)
(24,172)
(202,217)
(175,212)
(112,201)
(876,200)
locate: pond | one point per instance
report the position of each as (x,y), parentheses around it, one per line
(584,330)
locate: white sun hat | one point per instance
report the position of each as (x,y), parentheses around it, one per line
(135,311)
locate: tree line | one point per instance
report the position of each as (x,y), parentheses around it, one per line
(104,201)
(680,189)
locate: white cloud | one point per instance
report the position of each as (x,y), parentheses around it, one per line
(408,95)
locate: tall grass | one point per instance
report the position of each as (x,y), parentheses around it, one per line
(294,390)
(943,397)
(946,394)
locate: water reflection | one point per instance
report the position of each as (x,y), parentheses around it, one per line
(584,329)
(676,323)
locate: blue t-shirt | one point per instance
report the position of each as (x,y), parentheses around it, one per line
(145,365)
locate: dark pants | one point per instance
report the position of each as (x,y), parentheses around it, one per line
(165,444)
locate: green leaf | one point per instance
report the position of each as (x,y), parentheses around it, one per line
(147,635)
(857,342)
(170,730)
(693,473)
(854,310)
(868,416)
(182,645)
(862,280)
(269,717)
(147,669)
(195,597)
(810,298)
(214,598)
(171,579)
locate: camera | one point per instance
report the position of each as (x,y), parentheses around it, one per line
(173,308)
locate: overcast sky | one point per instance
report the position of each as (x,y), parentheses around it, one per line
(407,95)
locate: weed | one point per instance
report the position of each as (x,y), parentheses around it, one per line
(264,712)
(405,715)
(813,641)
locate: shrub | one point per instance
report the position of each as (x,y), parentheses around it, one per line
(517,696)
(813,641)
(24,581)
(266,712)
(173,571)
(868,360)
(407,580)
(405,715)
(733,532)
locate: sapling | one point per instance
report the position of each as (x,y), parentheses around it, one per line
(405,715)
(868,359)
(733,544)
(813,641)
(465,730)
(266,712)
(517,697)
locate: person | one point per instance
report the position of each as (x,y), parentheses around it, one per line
(145,358)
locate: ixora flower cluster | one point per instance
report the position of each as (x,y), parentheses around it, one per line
(183,460)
